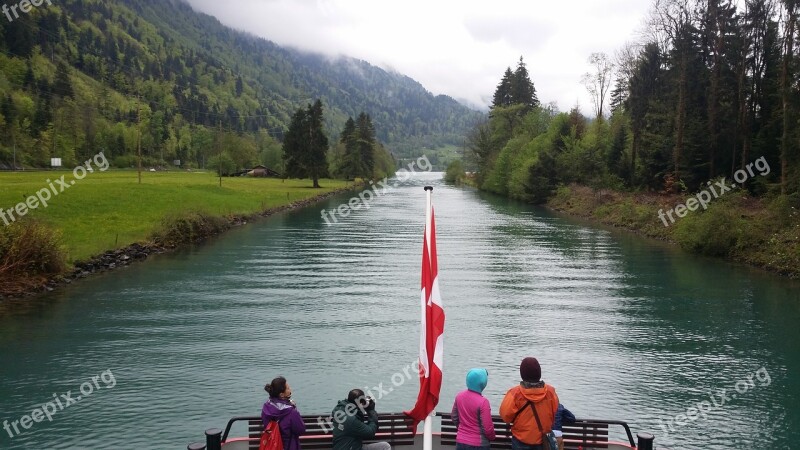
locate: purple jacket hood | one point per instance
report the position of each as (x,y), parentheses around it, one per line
(276,409)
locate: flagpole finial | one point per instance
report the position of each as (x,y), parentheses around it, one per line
(429,188)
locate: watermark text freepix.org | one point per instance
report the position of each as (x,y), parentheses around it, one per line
(719,188)
(367,195)
(59,403)
(56,187)
(408,372)
(717,400)
(24,6)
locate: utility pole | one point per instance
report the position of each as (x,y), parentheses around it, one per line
(55,126)
(139,133)
(219,152)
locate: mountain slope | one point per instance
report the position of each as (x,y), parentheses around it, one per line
(71,74)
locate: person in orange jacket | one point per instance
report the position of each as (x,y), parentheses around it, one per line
(517,405)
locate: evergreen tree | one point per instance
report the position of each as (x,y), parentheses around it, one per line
(645,86)
(8,111)
(351,166)
(615,157)
(719,51)
(366,145)
(522,89)
(619,95)
(516,88)
(239,86)
(688,79)
(30,80)
(62,85)
(305,145)
(503,95)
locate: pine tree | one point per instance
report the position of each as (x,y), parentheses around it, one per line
(30,80)
(648,76)
(522,89)
(366,145)
(516,88)
(239,86)
(8,111)
(502,95)
(619,96)
(688,77)
(62,85)
(718,41)
(305,145)
(351,164)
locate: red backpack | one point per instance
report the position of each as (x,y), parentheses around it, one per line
(271,437)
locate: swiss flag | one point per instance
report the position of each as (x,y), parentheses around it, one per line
(431,351)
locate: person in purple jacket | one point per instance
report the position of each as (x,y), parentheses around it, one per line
(282,409)
(472,414)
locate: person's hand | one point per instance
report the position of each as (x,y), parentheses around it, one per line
(371,404)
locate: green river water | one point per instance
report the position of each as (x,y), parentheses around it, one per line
(624,328)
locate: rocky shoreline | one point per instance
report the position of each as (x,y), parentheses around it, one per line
(140,251)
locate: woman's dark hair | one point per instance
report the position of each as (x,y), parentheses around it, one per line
(276,387)
(354,395)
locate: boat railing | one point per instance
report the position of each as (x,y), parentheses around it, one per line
(396,428)
(586,433)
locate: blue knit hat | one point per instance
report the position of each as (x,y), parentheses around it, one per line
(477,379)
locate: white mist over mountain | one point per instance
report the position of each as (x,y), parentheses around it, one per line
(456,48)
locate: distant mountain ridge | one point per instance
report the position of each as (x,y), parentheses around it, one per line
(72,73)
(401,108)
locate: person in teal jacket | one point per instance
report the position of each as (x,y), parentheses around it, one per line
(355,420)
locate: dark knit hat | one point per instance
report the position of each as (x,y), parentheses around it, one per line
(530,370)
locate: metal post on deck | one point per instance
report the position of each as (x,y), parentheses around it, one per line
(213,439)
(645,441)
(196,446)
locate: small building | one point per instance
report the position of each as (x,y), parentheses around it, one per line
(262,172)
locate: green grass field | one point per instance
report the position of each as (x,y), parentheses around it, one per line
(108,210)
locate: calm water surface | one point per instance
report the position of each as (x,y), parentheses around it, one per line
(625,328)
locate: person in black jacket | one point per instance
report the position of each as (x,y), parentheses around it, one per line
(355,420)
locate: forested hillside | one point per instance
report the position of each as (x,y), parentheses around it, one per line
(83,76)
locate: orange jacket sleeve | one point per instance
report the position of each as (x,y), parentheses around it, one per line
(508,408)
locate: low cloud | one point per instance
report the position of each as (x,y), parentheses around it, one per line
(516,32)
(456,48)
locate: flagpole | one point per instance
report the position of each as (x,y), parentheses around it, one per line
(427,428)
(428,192)
(427,433)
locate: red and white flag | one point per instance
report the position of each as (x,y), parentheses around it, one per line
(431,346)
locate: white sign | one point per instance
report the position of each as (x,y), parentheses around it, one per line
(55,162)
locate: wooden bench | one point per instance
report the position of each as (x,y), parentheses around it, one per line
(584,433)
(394,428)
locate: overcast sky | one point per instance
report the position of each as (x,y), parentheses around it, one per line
(457,48)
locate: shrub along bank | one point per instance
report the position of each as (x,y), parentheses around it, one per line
(760,232)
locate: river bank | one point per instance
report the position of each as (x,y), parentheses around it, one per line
(757,232)
(34,258)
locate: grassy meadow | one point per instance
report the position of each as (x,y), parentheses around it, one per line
(108,210)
